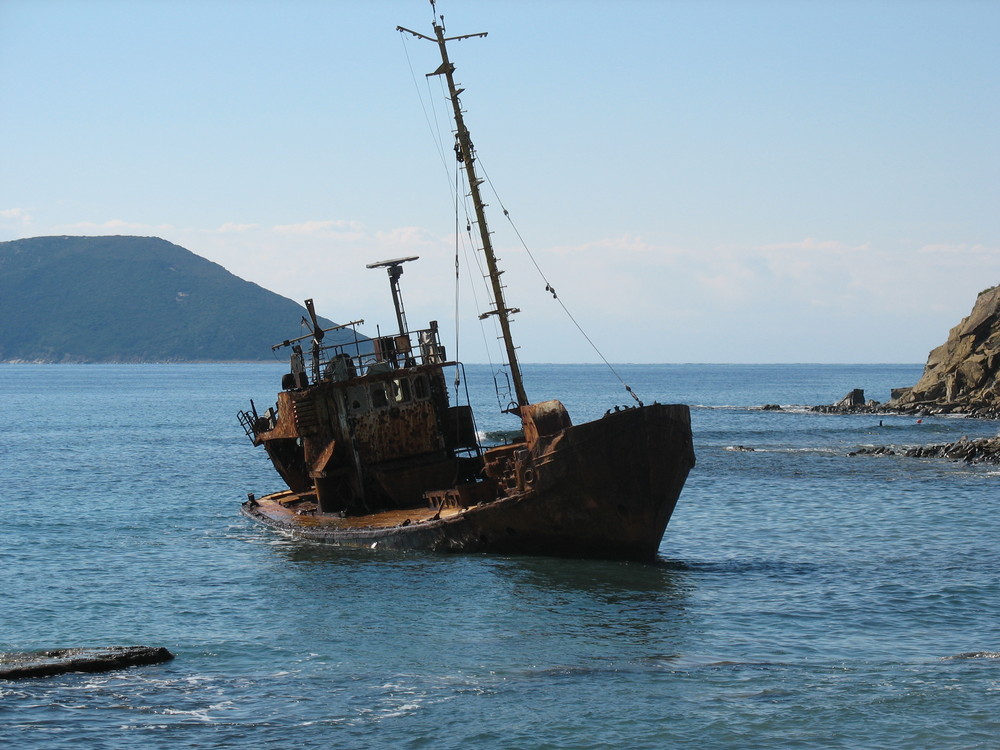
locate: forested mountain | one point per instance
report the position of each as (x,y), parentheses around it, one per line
(134,299)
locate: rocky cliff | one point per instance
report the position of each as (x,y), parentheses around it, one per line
(963,374)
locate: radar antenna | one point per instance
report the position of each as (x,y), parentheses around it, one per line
(394,267)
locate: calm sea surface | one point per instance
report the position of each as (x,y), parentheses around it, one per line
(803,598)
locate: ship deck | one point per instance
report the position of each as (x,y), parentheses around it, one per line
(292,509)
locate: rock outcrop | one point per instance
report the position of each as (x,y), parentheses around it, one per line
(983,450)
(15,666)
(963,374)
(854,403)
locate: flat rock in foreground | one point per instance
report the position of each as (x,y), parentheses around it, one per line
(17,665)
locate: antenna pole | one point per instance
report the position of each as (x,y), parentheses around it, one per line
(394,267)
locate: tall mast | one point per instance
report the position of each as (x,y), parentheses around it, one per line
(467,155)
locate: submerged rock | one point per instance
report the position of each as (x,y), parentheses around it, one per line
(17,665)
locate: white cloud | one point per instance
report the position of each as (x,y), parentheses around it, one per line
(963,249)
(810,244)
(811,299)
(625,244)
(14,213)
(730,285)
(407,236)
(321,227)
(15,222)
(232,227)
(115,226)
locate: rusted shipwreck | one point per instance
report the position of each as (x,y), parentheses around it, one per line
(375,454)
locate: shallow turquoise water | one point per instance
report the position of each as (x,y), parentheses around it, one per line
(803,598)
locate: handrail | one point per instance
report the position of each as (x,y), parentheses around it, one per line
(345,361)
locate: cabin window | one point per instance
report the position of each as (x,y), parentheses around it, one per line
(401,390)
(356,400)
(379,399)
(421,389)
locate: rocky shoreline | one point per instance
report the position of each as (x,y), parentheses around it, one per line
(980,451)
(962,376)
(903,403)
(972,411)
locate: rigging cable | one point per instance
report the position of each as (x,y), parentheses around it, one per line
(423,107)
(551,289)
(476,256)
(477,259)
(435,129)
(458,288)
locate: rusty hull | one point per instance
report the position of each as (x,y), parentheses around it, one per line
(604,489)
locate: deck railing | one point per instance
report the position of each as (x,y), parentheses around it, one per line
(370,356)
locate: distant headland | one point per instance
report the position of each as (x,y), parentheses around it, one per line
(133,299)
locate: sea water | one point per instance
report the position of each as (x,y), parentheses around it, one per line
(802,598)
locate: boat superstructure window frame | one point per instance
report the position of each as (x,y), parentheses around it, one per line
(401,391)
(356,399)
(421,387)
(377,394)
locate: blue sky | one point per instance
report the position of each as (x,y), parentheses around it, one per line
(701,181)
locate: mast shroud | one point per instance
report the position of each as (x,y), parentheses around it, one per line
(466,154)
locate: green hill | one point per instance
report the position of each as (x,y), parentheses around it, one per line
(134,299)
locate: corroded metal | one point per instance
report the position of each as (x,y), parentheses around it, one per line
(602,489)
(376,454)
